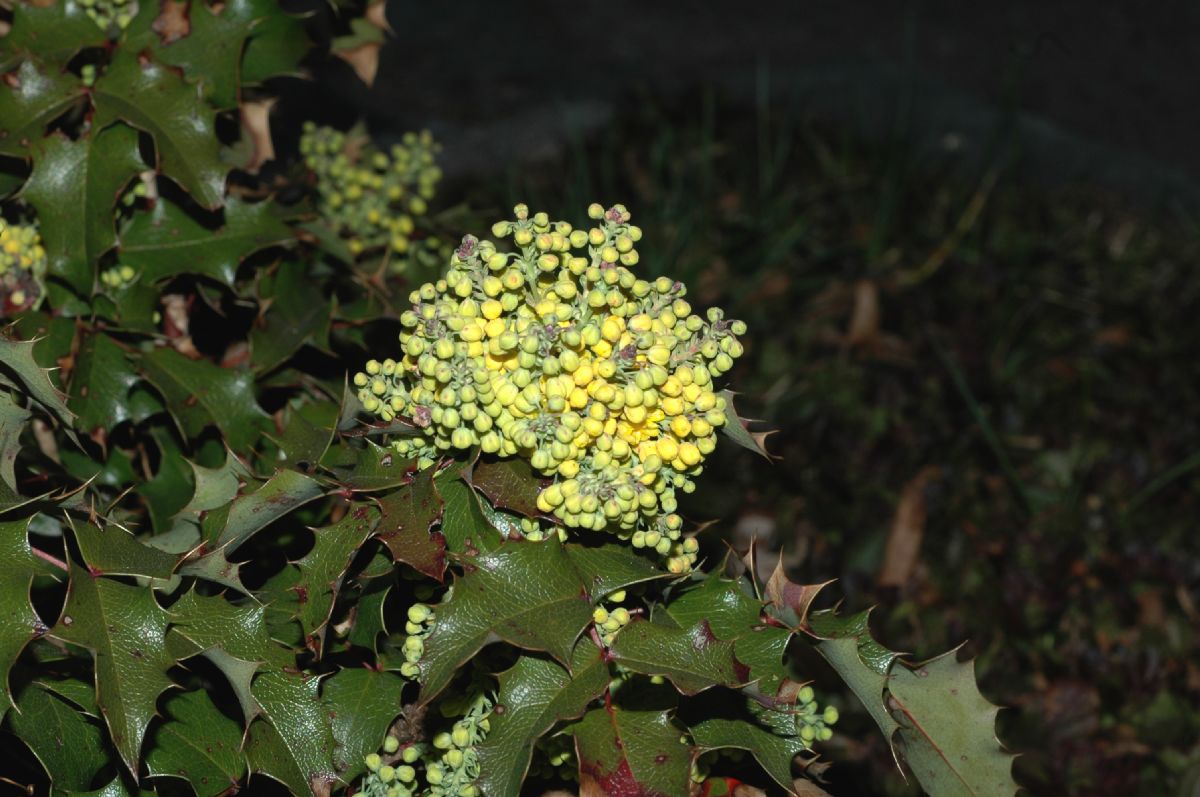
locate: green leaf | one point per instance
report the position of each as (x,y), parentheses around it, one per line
(275,48)
(294,312)
(17,362)
(509,484)
(368,467)
(863,663)
(201,394)
(627,751)
(74,187)
(19,623)
(77,691)
(735,429)
(167,493)
(117,787)
(727,720)
(100,384)
(212,50)
(548,591)
(215,487)
(466,526)
(69,745)
(536,693)
(251,512)
(307,433)
(155,99)
(125,629)
(12,423)
(54,32)
(30,99)
(406,526)
(167,241)
(294,744)
(240,629)
(692,658)
(199,744)
(363,704)
(947,733)
(114,551)
(323,568)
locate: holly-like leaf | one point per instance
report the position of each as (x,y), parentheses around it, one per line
(626,751)
(406,527)
(155,99)
(31,98)
(167,493)
(114,551)
(253,511)
(240,629)
(100,384)
(54,32)
(197,743)
(212,51)
(293,743)
(368,467)
(294,311)
(509,484)
(728,720)
(466,526)
(548,593)
(363,704)
(933,713)
(275,48)
(125,629)
(167,241)
(74,187)
(322,568)
(69,745)
(19,623)
(19,368)
(307,433)
(692,658)
(201,394)
(735,429)
(12,422)
(117,787)
(535,693)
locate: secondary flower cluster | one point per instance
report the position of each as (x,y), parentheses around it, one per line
(118,277)
(107,12)
(557,352)
(22,264)
(418,625)
(374,199)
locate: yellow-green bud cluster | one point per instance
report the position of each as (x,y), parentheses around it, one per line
(118,277)
(418,624)
(812,723)
(558,353)
(395,775)
(106,13)
(22,264)
(704,763)
(610,620)
(554,759)
(138,190)
(454,773)
(373,199)
(536,530)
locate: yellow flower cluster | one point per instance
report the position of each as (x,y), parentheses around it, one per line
(558,353)
(373,199)
(22,264)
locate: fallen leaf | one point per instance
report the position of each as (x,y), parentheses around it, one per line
(377,16)
(908,527)
(364,59)
(172,23)
(256,121)
(864,320)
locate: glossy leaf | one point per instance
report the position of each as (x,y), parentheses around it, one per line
(52,31)
(363,703)
(12,422)
(368,467)
(406,527)
(735,429)
(293,313)
(100,384)
(509,484)
(323,568)
(17,360)
(113,551)
(626,751)
(69,745)
(692,658)
(198,744)
(75,186)
(212,50)
(125,629)
(293,743)
(253,511)
(19,623)
(30,98)
(167,241)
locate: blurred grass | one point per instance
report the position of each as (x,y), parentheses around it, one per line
(1037,346)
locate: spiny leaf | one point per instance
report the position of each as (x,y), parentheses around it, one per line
(535,693)
(294,742)
(19,623)
(294,311)
(406,526)
(627,751)
(363,704)
(125,629)
(16,358)
(322,568)
(54,32)
(368,467)
(548,592)
(113,551)
(253,511)
(69,745)
(239,629)
(212,51)
(735,429)
(728,720)
(509,484)
(100,384)
(74,186)
(12,422)
(167,241)
(155,99)
(692,658)
(201,394)
(275,48)
(466,526)
(199,744)
(30,99)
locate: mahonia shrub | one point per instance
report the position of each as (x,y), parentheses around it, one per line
(297,496)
